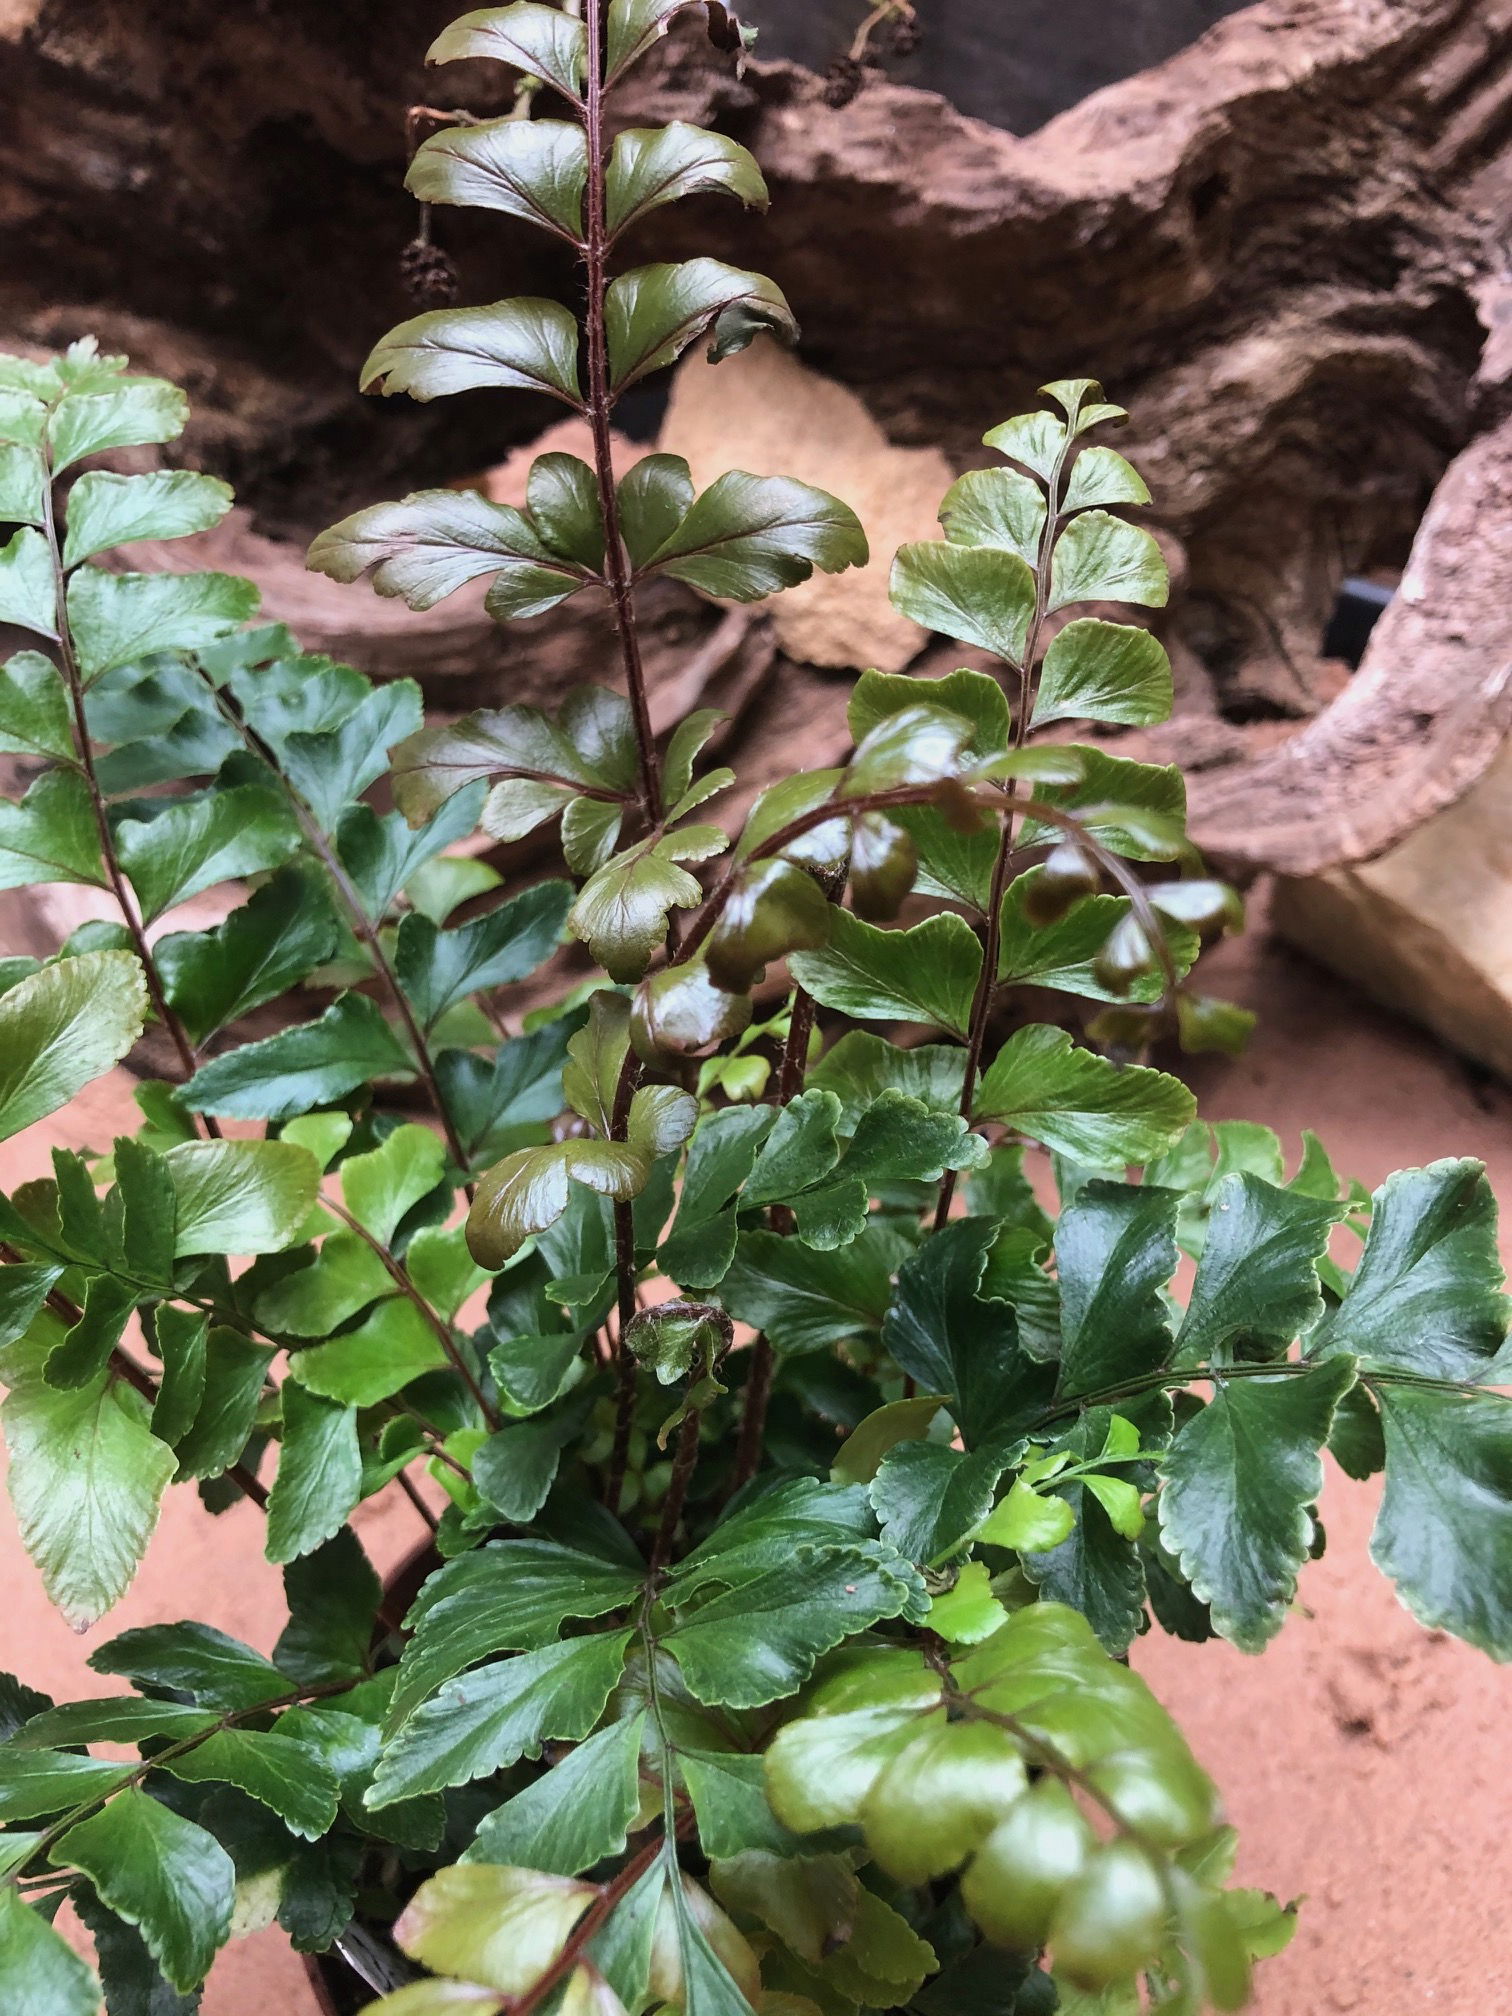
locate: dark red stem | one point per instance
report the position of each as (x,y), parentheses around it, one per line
(617,573)
(624,1268)
(758,1388)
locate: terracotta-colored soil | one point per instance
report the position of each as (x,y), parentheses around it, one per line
(1361,1758)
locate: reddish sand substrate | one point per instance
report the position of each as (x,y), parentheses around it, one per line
(1361,1758)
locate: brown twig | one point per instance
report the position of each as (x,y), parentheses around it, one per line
(587,1929)
(684,1463)
(407,1486)
(624,1269)
(758,1387)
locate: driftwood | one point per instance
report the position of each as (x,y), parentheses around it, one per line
(1284,249)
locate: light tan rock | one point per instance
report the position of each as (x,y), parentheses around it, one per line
(765,412)
(1426,928)
(16,16)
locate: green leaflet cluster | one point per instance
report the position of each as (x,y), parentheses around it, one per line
(934,1765)
(769,1669)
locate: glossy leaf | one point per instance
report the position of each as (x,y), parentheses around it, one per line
(234,1375)
(106,510)
(634,27)
(681,1012)
(1257,1281)
(132,1979)
(654,312)
(331,768)
(563,495)
(381,1186)
(333,1596)
(1115,1250)
(1064,954)
(119,618)
(240,1196)
(622,911)
(1038,440)
(1100,558)
(862,1066)
(750,536)
(728,1791)
(917,745)
(981,595)
(34,712)
(491,1101)
(503,1927)
(941,1334)
(23,482)
(40,1969)
(161,1873)
(931,1499)
(28,592)
(1136,809)
(1080,1104)
(64,1027)
(515,1469)
(286,1776)
(1102,476)
(757,1640)
(216,1671)
(1111,1919)
(995,507)
(1444,1533)
(529,345)
(540,40)
(383,855)
(524,742)
(654,498)
(499,1714)
(1097,671)
(654,165)
(574,1815)
(528,1192)
(1426,1297)
(51,836)
(974,696)
(197,842)
(267,945)
(774,909)
(319,1474)
(389,1348)
(926,974)
(824,848)
(284,1075)
(114,412)
(530,168)
(345,1277)
(513,1595)
(86,1480)
(437,969)
(429,545)
(806,1300)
